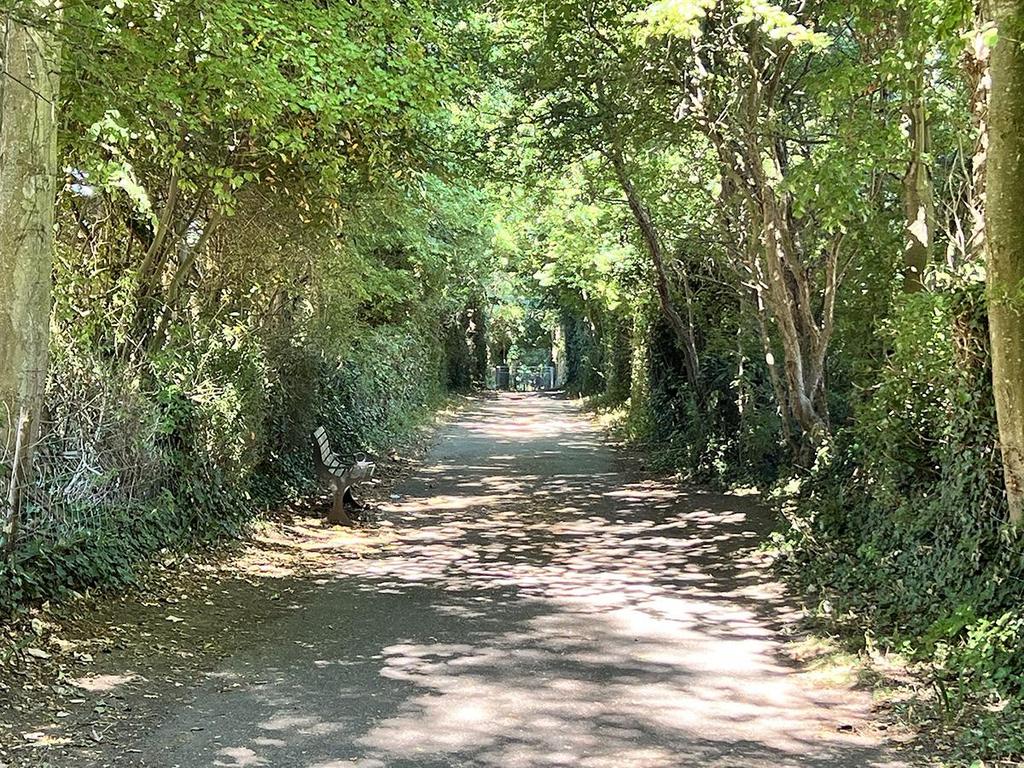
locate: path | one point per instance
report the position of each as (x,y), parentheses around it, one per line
(533,610)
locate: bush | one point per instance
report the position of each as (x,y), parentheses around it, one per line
(141,458)
(903,531)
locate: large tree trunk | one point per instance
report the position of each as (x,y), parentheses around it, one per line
(918,198)
(1004,225)
(29,86)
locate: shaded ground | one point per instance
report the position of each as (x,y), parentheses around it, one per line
(532,603)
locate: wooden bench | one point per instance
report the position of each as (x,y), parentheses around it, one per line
(333,472)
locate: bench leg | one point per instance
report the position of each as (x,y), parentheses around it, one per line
(352,501)
(338,515)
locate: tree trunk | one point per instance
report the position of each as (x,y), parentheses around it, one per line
(918,198)
(682,328)
(804,340)
(29,87)
(778,388)
(1004,226)
(188,255)
(803,314)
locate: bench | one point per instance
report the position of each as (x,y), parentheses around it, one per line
(333,472)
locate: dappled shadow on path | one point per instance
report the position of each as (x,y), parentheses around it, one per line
(530,606)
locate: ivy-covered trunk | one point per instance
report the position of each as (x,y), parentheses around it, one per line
(28,172)
(1005,238)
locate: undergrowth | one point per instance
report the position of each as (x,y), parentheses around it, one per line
(145,462)
(900,538)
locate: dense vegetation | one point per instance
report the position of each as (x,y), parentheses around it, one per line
(784,237)
(258,231)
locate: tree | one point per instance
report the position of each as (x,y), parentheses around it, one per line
(738,68)
(188,107)
(1005,236)
(584,80)
(29,91)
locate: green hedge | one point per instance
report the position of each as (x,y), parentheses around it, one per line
(221,435)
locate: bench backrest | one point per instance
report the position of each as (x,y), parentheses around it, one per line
(323,456)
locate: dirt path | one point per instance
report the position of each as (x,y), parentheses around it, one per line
(528,607)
